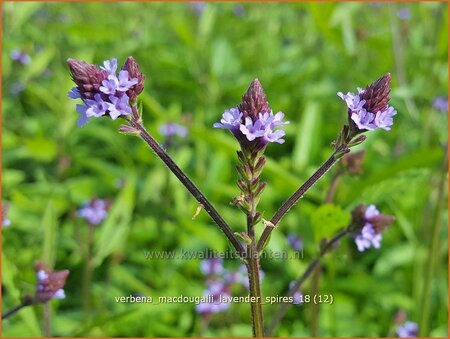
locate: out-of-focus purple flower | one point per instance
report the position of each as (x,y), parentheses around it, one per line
(20,57)
(212,266)
(50,284)
(294,241)
(404,14)
(102,91)
(198,6)
(441,104)
(17,87)
(253,122)
(298,296)
(242,276)
(239,10)
(5,221)
(369,223)
(216,290)
(369,109)
(94,211)
(170,129)
(408,330)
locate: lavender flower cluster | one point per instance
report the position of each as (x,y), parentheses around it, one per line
(43,283)
(102,90)
(219,283)
(374,223)
(253,120)
(369,109)
(94,212)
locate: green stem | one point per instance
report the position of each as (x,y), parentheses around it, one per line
(12,311)
(255,291)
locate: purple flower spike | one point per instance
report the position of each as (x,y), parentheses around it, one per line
(369,110)
(97,107)
(231,119)
(125,84)
(441,104)
(110,66)
(408,330)
(368,238)
(119,106)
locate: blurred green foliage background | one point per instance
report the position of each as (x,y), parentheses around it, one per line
(198,60)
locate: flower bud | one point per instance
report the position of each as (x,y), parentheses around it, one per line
(50,283)
(352,162)
(134,72)
(88,78)
(254,101)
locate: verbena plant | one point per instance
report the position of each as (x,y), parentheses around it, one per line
(108,93)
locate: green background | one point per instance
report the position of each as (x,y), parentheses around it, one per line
(197,64)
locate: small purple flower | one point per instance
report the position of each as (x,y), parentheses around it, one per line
(441,104)
(212,266)
(408,330)
(218,290)
(20,57)
(239,10)
(198,6)
(119,106)
(404,14)
(252,130)
(171,129)
(17,87)
(298,296)
(368,238)
(96,107)
(124,84)
(109,85)
(231,119)
(110,66)
(94,212)
(5,221)
(74,93)
(81,109)
(385,119)
(50,283)
(295,242)
(371,212)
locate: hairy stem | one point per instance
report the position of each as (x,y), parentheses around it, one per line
(287,205)
(255,290)
(47,321)
(209,208)
(310,269)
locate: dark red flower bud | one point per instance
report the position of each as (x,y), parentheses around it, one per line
(254,101)
(134,72)
(87,77)
(377,94)
(381,222)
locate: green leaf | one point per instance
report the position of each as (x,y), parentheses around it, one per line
(49,226)
(41,148)
(113,233)
(327,219)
